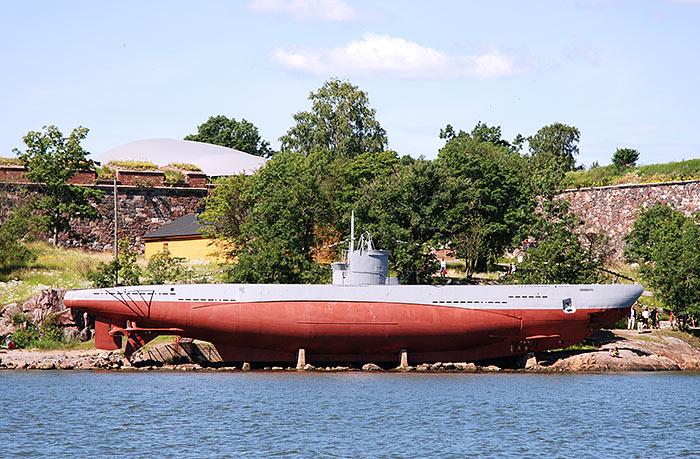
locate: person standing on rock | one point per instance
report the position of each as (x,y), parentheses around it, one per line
(630,319)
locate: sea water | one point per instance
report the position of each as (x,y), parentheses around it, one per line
(351,414)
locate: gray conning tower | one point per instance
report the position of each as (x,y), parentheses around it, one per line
(364,266)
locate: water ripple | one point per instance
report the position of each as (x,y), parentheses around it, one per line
(53,413)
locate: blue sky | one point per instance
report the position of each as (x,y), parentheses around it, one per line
(626,73)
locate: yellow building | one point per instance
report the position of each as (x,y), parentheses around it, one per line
(183,239)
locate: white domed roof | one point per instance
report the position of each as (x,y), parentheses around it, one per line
(214,160)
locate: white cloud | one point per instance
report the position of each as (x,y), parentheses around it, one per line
(584,52)
(382,54)
(326,10)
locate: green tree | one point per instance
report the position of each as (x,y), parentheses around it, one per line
(625,158)
(272,239)
(481,133)
(340,122)
(486,196)
(401,211)
(227,208)
(239,135)
(13,232)
(559,256)
(163,268)
(51,160)
(120,271)
(666,244)
(345,179)
(552,151)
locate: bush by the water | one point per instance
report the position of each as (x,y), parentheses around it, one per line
(45,335)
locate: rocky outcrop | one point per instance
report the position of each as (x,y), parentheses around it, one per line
(650,351)
(38,307)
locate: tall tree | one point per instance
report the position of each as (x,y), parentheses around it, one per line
(666,244)
(486,195)
(227,132)
(401,211)
(51,160)
(555,146)
(625,157)
(340,122)
(270,221)
(560,256)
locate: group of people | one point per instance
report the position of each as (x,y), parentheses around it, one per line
(644,318)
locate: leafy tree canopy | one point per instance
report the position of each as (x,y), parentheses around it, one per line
(559,256)
(625,158)
(555,146)
(239,135)
(401,211)
(666,244)
(485,195)
(340,122)
(270,221)
(13,231)
(51,160)
(481,133)
(122,270)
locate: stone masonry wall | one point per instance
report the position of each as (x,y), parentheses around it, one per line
(613,209)
(140,211)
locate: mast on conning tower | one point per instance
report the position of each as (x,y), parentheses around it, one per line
(352,234)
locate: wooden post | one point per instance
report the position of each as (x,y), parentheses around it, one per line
(403,359)
(301,359)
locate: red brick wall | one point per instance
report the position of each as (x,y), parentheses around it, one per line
(13,174)
(196,179)
(141,178)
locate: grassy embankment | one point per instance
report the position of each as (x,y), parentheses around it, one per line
(652,173)
(67,268)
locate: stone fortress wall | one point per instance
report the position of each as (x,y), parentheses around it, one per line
(144,208)
(613,209)
(140,211)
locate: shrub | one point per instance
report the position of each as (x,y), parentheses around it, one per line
(133,165)
(125,265)
(106,173)
(185,167)
(11,162)
(173,177)
(47,335)
(163,268)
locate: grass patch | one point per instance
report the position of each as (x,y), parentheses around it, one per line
(580,347)
(158,340)
(692,337)
(652,173)
(133,165)
(53,268)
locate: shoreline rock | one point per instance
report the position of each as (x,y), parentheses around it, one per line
(650,351)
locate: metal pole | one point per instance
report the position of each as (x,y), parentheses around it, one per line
(352,234)
(116,240)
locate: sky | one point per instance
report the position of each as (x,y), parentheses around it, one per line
(625,73)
